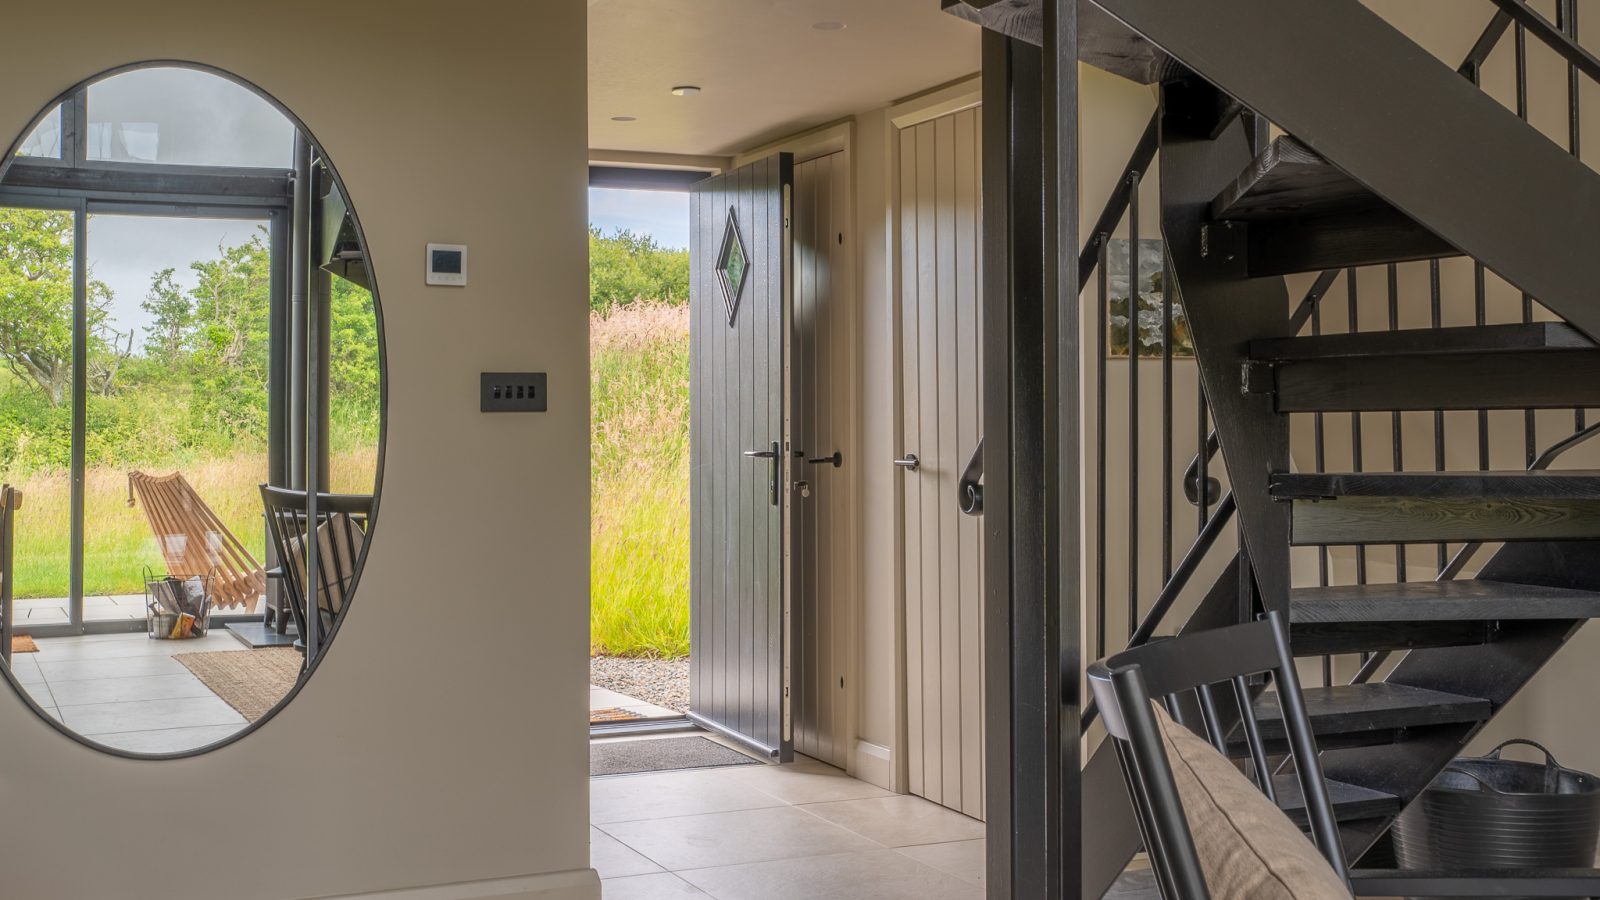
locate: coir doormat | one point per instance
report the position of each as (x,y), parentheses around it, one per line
(662,755)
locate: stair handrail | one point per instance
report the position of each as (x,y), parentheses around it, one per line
(1170,591)
(1144,153)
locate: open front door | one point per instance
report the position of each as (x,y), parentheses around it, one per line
(740,411)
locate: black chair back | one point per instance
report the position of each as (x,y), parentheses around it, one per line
(330,548)
(1207,682)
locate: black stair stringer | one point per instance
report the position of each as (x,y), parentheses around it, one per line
(1495,671)
(1396,119)
(1226,310)
(1111,837)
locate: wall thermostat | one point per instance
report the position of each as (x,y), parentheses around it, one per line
(447,264)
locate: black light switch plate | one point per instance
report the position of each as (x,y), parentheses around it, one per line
(512,392)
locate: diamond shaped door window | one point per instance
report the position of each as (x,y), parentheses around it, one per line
(733,265)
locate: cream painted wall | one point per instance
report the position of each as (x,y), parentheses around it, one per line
(429,749)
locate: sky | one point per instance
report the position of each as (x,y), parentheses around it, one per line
(662,214)
(126,251)
(182,116)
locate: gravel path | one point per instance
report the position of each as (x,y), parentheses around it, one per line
(664,682)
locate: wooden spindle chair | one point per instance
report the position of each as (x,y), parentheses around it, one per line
(1206,683)
(339,538)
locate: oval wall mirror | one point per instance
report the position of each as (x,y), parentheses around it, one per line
(191,409)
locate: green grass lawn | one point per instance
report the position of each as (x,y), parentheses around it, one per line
(117,543)
(640,484)
(639,559)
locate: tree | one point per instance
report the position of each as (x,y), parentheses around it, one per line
(229,341)
(625,267)
(36,273)
(171,317)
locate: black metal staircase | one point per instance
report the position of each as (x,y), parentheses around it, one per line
(1389,157)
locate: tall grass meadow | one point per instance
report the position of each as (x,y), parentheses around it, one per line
(639,559)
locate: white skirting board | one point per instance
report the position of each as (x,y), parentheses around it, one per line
(874,764)
(575,884)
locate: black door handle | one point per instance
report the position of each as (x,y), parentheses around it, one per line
(836,460)
(776,455)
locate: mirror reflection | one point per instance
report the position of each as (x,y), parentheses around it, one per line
(190,409)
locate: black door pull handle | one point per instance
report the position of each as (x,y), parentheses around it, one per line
(776,456)
(836,460)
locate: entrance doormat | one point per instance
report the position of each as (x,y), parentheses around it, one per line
(662,755)
(612,714)
(250,681)
(23,643)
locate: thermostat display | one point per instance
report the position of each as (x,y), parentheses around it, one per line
(447,264)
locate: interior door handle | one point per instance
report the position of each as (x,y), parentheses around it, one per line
(910,462)
(836,460)
(776,456)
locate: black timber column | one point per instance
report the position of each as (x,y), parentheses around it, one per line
(299,287)
(1032,601)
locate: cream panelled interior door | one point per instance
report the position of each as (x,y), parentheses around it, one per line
(938,234)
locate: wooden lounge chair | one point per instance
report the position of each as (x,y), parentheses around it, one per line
(195,543)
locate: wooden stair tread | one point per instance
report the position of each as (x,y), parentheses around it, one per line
(1468,339)
(1376,706)
(1439,601)
(1305,214)
(1522,485)
(1289,180)
(1349,801)
(1135,884)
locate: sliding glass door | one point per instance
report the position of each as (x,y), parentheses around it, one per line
(39,317)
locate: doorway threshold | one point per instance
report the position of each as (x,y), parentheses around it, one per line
(643,726)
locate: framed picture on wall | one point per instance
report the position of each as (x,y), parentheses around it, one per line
(1150,283)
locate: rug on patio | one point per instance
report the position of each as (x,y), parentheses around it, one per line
(612,714)
(250,681)
(23,643)
(662,754)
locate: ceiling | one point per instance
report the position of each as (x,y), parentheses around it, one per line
(765,71)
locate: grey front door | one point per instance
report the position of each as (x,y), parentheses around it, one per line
(740,403)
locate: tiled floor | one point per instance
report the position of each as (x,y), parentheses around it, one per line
(54,611)
(604,698)
(804,830)
(126,691)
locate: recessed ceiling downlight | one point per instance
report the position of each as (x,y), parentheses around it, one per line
(624,118)
(685,90)
(828,25)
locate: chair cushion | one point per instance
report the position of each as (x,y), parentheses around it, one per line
(340,540)
(1247,847)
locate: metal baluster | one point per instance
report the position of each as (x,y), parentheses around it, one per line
(1355,418)
(1436,308)
(1202,457)
(1103,318)
(1166,424)
(1567,21)
(1481,318)
(1133,402)
(1530,437)
(1394,422)
(1320,442)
